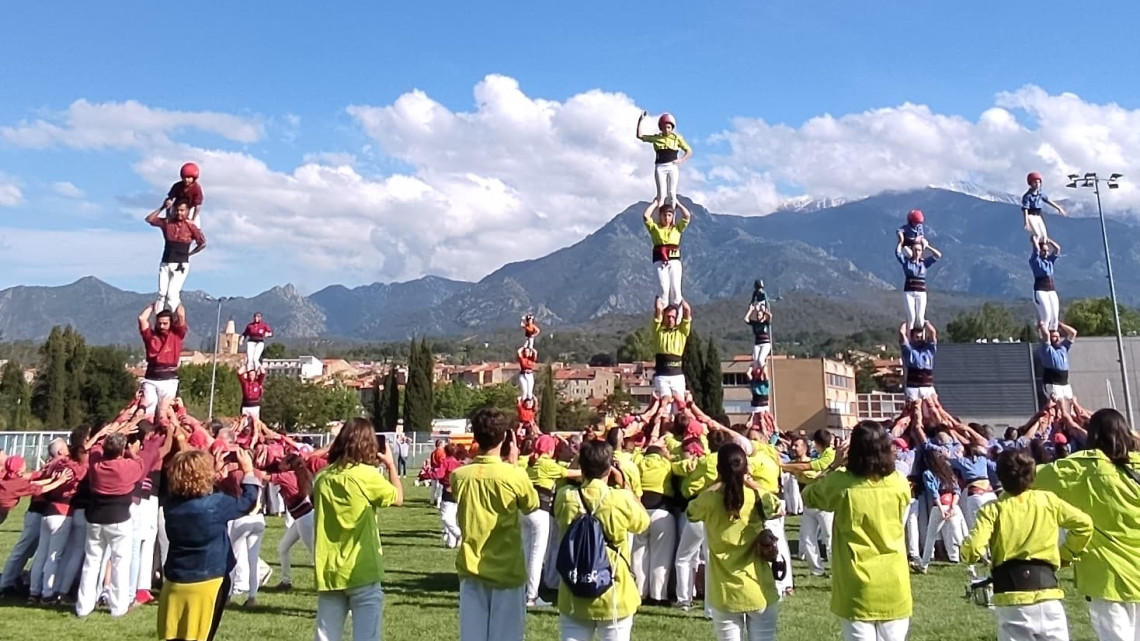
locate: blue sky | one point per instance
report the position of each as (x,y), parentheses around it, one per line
(750,82)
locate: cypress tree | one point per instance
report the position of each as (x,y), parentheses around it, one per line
(74,406)
(692,362)
(391,416)
(712,382)
(427,368)
(378,398)
(547,402)
(15,396)
(411,389)
(49,395)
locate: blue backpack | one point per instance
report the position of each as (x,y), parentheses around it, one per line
(582,561)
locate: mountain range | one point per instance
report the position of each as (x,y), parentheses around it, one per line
(841,253)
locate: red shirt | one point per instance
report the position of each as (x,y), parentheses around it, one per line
(191,194)
(437,457)
(163,352)
(257,331)
(297,503)
(117,477)
(530,329)
(59,499)
(251,390)
(316,463)
(12,489)
(526,414)
(527,364)
(443,472)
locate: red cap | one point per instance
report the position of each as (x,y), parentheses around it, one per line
(901,444)
(1060,439)
(666,119)
(915,216)
(1033,175)
(189,170)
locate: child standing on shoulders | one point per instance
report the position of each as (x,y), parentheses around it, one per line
(1031,208)
(530,330)
(187,190)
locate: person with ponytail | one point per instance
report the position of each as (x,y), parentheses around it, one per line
(741,586)
(1103,481)
(870,583)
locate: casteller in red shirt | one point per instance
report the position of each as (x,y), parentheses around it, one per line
(526,363)
(526,412)
(163,345)
(251,389)
(258,330)
(191,193)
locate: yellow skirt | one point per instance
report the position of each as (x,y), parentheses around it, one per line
(191,611)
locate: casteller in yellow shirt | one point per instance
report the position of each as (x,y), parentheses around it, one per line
(346,540)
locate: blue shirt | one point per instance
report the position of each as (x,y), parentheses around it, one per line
(200,546)
(1032,200)
(910,232)
(760,387)
(970,468)
(920,356)
(915,268)
(1042,266)
(1055,357)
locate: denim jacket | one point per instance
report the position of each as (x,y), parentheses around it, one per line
(199,542)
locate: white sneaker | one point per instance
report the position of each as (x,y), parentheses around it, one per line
(539,603)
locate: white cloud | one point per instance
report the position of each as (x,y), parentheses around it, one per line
(67,190)
(10,194)
(124,125)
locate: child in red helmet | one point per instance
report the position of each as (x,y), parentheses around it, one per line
(189,190)
(668,145)
(913,230)
(1031,209)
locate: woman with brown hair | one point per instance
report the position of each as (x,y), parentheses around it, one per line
(347,546)
(200,558)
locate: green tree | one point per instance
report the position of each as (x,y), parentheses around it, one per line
(291,404)
(107,385)
(75,410)
(712,381)
(636,346)
(49,390)
(194,388)
(618,403)
(378,398)
(418,410)
(274,350)
(865,381)
(692,362)
(391,400)
(454,400)
(990,321)
(547,402)
(15,396)
(574,416)
(502,397)
(1094,317)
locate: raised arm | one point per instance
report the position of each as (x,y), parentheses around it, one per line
(1055,245)
(144,318)
(686,215)
(1068,330)
(686,310)
(934,252)
(658,309)
(641,119)
(931,331)
(902,334)
(153,219)
(648,215)
(180,315)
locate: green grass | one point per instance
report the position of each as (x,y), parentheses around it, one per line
(422,591)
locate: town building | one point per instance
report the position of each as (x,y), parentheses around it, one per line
(303,367)
(586,383)
(807,393)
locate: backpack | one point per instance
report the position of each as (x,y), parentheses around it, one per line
(582,560)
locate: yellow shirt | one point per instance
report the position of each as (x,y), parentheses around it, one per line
(1024,527)
(703,475)
(671,341)
(620,514)
(545,472)
(764,466)
(629,468)
(671,140)
(490,493)
(670,235)
(870,578)
(1109,568)
(739,580)
(346,539)
(824,460)
(656,474)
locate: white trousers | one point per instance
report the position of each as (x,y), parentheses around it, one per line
(301,530)
(758,625)
(777,527)
(815,526)
(144,519)
(579,630)
(910,527)
(115,539)
(691,537)
(489,614)
(1044,621)
(253,350)
(156,391)
(652,555)
(915,309)
(528,342)
(952,529)
(760,352)
(666,175)
(449,516)
(1115,621)
(171,278)
(1048,308)
(245,536)
(23,550)
(55,531)
(873,630)
(365,602)
(1037,229)
(669,278)
(670,386)
(971,505)
(535,538)
(73,552)
(436,496)
(526,384)
(792,496)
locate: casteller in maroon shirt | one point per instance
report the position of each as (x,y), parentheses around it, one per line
(251,389)
(257,331)
(190,194)
(163,351)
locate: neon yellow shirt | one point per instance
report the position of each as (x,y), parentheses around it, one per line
(870,578)
(824,460)
(628,467)
(764,466)
(703,475)
(671,140)
(739,580)
(656,474)
(671,341)
(1024,527)
(1109,568)
(490,494)
(670,235)
(620,514)
(346,541)
(545,472)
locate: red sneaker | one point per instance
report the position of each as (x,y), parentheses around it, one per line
(143,597)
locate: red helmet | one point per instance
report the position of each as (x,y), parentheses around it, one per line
(666,119)
(915,217)
(190,170)
(1033,175)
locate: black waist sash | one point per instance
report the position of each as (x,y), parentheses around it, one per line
(1024,575)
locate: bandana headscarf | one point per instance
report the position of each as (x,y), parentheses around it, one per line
(12,466)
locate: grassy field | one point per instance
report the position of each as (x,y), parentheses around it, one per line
(421,600)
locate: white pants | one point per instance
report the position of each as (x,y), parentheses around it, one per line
(777,527)
(157,391)
(73,552)
(254,412)
(528,342)
(489,614)
(759,625)
(652,555)
(910,526)
(670,386)
(792,496)
(23,550)
(245,536)
(1037,229)
(436,496)
(54,533)
(1044,621)
(814,526)
(171,278)
(145,518)
(669,278)
(253,350)
(971,505)
(366,602)
(666,175)
(117,540)
(1115,621)
(919,393)
(1048,308)
(579,630)
(953,530)
(526,384)
(1059,392)
(873,630)
(760,352)
(536,538)
(449,515)
(301,529)
(691,536)
(915,309)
